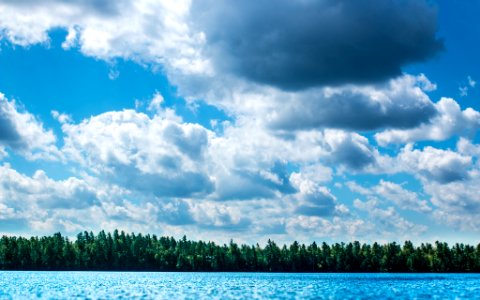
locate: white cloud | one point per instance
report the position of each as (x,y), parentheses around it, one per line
(440,165)
(61,117)
(457,203)
(313,199)
(472,83)
(311,228)
(156,103)
(450,121)
(156,155)
(349,149)
(20,191)
(161,34)
(40,204)
(24,133)
(173,173)
(388,222)
(403,198)
(467,148)
(144,31)
(394,193)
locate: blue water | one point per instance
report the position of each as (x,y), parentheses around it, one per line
(116,285)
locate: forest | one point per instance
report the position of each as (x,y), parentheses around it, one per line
(119,251)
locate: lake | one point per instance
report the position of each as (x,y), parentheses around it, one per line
(120,285)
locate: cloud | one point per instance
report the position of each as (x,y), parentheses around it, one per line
(440,165)
(403,198)
(304,95)
(148,32)
(156,102)
(450,121)
(176,212)
(387,221)
(349,149)
(472,83)
(246,164)
(20,192)
(167,157)
(299,44)
(463,89)
(392,192)
(61,117)
(23,133)
(449,179)
(154,155)
(150,211)
(314,200)
(242,183)
(399,103)
(218,216)
(457,203)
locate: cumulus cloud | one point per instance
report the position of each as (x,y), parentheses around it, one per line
(388,221)
(403,198)
(400,103)
(31,197)
(163,155)
(450,120)
(314,200)
(157,155)
(299,44)
(457,203)
(246,163)
(392,192)
(149,32)
(349,149)
(312,227)
(440,165)
(24,133)
(218,216)
(298,84)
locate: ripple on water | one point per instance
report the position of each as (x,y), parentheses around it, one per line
(118,285)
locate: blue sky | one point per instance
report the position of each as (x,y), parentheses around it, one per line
(321,120)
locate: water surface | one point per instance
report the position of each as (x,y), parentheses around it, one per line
(117,285)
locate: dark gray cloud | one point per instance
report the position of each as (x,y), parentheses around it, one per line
(295,44)
(349,109)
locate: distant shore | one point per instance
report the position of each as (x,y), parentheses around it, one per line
(119,251)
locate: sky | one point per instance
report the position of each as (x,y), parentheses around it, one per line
(315,120)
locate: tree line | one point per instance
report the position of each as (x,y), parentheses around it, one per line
(119,251)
